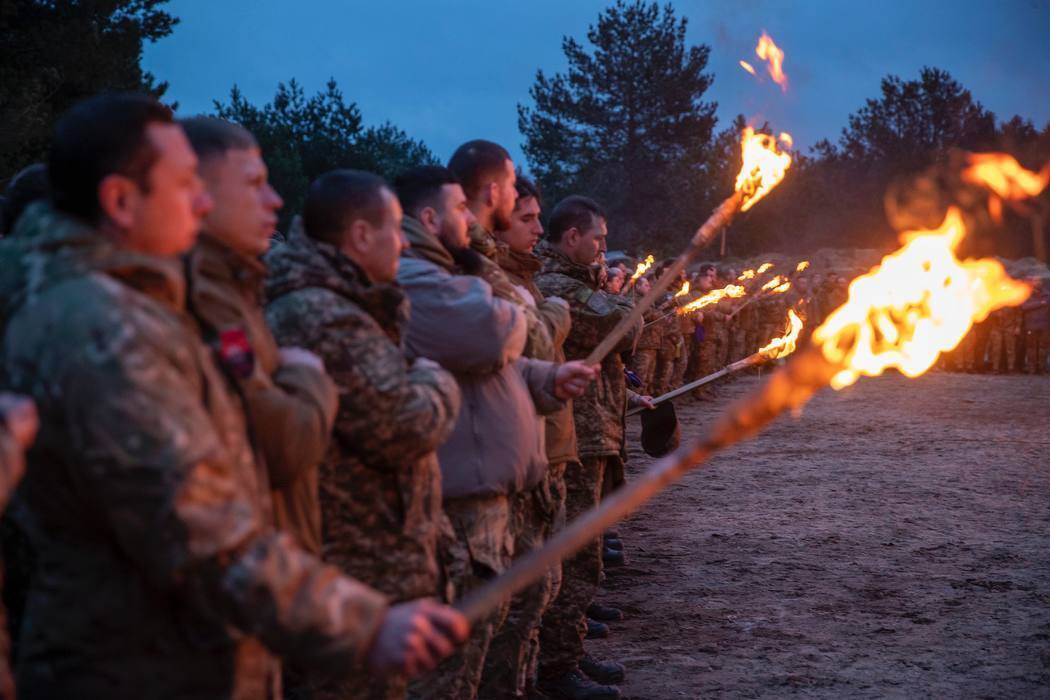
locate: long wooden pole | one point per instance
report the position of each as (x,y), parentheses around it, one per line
(749,361)
(703,236)
(787,388)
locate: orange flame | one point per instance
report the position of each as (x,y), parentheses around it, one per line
(764,267)
(786,138)
(731,291)
(802,266)
(774,58)
(777,285)
(785,344)
(917,303)
(642,268)
(748,67)
(683,291)
(1002,174)
(763,168)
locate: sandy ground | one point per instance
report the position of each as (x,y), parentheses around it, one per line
(892,541)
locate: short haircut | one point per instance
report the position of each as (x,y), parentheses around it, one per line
(212,137)
(338,198)
(420,187)
(575,211)
(477,162)
(526,189)
(26,187)
(102,136)
(707,266)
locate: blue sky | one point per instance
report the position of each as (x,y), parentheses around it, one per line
(451,70)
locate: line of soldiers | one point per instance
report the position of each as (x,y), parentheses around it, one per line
(268,469)
(1012,339)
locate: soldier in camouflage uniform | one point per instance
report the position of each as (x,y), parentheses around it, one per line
(511,664)
(1036,314)
(644,358)
(577,236)
(158,567)
(290,400)
(1004,337)
(329,290)
(714,345)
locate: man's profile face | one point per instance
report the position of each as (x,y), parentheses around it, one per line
(506,196)
(245,213)
(708,280)
(455,217)
(385,242)
(166,216)
(525,228)
(591,242)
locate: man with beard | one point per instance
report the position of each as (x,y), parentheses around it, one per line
(331,289)
(496,448)
(159,572)
(576,237)
(289,399)
(510,667)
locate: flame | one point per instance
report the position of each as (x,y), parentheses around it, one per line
(774,58)
(764,167)
(802,266)
(746,275)
(917,303)
(748,67)
(1002,174)
(683,291)
(785,344)
(777,285)
(731,291)
(764,267)
(786,138)
(642,268)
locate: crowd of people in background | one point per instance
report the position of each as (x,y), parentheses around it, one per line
(260,464)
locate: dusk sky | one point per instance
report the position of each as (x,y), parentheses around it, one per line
(454,70)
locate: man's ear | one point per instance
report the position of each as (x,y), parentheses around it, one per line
(358,236)
(428,216)
(116,198)
(491,194)
(571,237)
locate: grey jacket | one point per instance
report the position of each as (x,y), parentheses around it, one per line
(497,445)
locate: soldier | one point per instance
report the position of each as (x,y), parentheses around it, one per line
(496,448)
(644,358)
(18,427)
(158,567)
(511,664)
(577,232)
(672,348)
(330,289)
(1003,338)
(715,338)
(614,280)
(289,400)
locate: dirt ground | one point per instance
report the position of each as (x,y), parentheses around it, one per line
(892,541)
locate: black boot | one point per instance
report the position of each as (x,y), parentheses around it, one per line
(576,686)
(604,613)
(614,543)
(613,558)
(596,630)
(602,671)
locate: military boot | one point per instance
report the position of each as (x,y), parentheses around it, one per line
(596,630)
(608,672)
(576,686)
(604,613)
(613,557)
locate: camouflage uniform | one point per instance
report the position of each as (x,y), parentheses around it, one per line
(158,567)
(511,663)
(290,407)
(1036,331)
(599,418)
(1004,335)
(650,340)
(714,347)
(380,486)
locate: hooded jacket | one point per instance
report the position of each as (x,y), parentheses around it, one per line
(380,480)
(496,447)
(157,569)
(290,407)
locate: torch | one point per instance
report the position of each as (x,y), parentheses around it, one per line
(917,303)
(777,285)
(763,168)
(776,349)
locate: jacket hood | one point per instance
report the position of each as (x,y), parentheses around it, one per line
(301,262)
(424,245)
(555,261)
(524,266)
(49,246)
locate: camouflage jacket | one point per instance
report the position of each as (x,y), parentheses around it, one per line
(380,480)
(521,269)
(156,564)
(653,328)
(599,413)
(290,407)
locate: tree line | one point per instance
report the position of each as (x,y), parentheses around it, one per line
(627,123)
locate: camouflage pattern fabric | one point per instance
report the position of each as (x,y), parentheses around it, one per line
(157,564)
(290,408)
(1004,337)
(643,363)
(599,412)
(1037,343)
